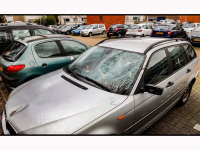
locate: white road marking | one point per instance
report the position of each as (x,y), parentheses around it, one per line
(197,127)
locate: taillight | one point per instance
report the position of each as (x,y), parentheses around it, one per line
(139,30)
(151,31)
(169,33)
(15,68)
(116,29)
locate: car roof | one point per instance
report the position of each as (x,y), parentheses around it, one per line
(30,39)
(18,24)
(138,45)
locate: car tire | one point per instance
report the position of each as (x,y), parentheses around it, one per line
(90,34)
(108,36)
(119,35)
(103,32)
(67,33)
(185,95)
(143,35)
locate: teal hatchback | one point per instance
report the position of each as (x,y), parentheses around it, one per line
(30,57)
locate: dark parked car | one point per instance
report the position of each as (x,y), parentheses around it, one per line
(68,29)
(194,36)
(169,31)
(117,30)
(13,31)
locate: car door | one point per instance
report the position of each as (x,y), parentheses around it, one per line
(145,29)
(49,56)
(149,106)
(100,29)
(181,70)
(72,49)
(5,40)
(95,29)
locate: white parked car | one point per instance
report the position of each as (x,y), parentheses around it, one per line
(93,29)
(190,27)
(139,30)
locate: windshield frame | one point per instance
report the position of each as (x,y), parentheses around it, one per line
(91,26)
(129,90)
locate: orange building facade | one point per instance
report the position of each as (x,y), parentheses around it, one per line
(108,20)
(191,18)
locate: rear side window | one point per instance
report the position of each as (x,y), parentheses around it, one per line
(125,26)
(157,69)
(190,51)
(113,26)
(47,50)
(135,27)
(42,31)
(20,33)
(3,37)
(73,48)
(120,26)
(13,51)
(178,57)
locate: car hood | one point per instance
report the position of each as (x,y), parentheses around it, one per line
(195,33)
(52,105)
(77,30)
(87,30)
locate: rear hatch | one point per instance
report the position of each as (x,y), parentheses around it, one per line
(11,55)
(161,31)
(134,28)
(112,28)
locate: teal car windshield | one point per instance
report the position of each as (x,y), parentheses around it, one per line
(12,51)
(111,68)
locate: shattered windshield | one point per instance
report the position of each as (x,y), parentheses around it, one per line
(114,69)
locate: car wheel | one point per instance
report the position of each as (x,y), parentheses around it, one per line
(67,33)
(143,35)
(90,34)
(185,95)
(103,32)
(108,36)
(119,35)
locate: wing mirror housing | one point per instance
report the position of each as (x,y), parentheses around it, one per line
(153,89)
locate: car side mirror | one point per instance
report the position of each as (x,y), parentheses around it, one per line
(153,89)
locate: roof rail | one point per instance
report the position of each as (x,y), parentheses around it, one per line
(113,38)
(163,41)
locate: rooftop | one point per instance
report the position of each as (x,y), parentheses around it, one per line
(131,44)
(42,37)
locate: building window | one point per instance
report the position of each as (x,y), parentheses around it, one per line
(67,20)
(136,18)
(101,17)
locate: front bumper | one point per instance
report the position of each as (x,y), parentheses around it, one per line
(3,121)
(75,33)
(84,33)
(134,33)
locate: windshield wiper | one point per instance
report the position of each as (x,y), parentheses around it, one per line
(73,73)
(97,83)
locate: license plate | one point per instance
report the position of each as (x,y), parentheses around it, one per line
(72,32)
(1,68)
(110,33)
(188,32)
(196,39)
(81,33)
(159,32)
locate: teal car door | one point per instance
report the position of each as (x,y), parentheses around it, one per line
(49,56)
(72,49)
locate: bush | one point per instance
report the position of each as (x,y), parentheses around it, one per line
(50,20)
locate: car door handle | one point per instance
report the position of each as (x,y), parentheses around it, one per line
(169,84)
(188,70)
(44,64)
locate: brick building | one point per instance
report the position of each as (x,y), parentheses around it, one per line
(108,20)
(191,18)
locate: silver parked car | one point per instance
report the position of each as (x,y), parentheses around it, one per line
(116,87)
(93,29)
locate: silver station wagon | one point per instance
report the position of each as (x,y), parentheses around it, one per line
(116,87)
